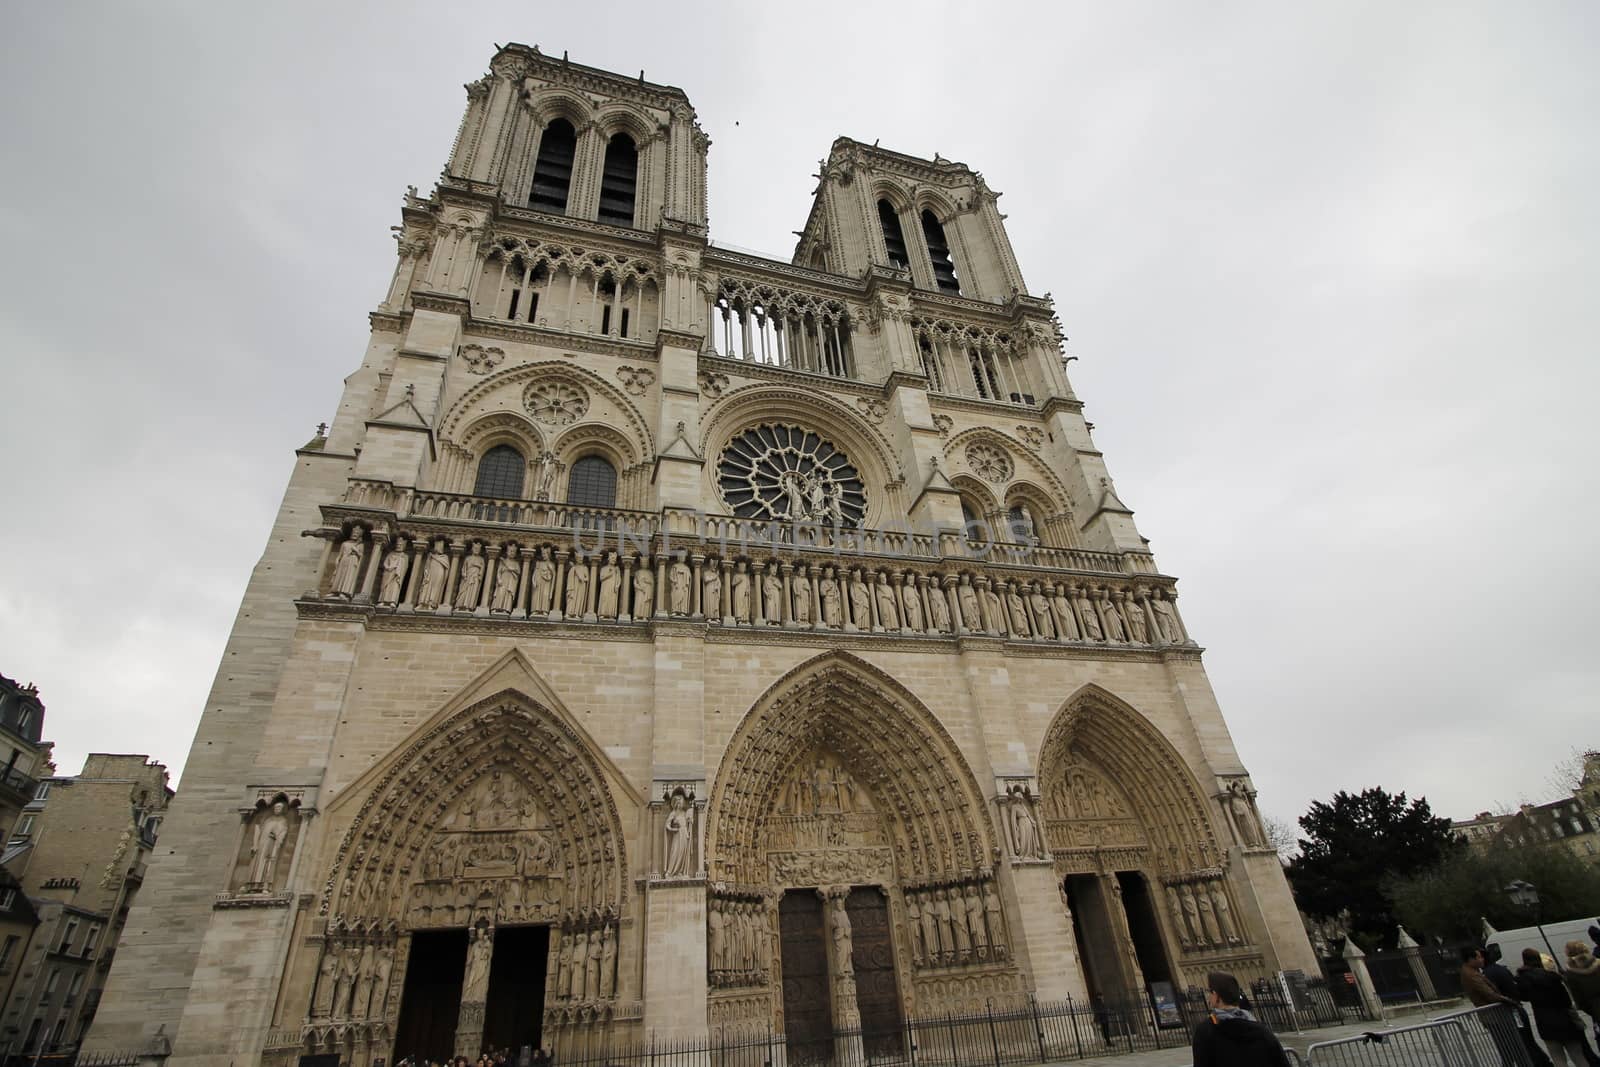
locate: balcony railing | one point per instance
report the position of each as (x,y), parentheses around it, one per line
(18,784)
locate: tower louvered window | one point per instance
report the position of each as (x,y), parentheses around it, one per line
(893,237)
(944,271)
(619,181)
(552,170)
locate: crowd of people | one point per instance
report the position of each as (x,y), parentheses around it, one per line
(500,1057)
(1559,998)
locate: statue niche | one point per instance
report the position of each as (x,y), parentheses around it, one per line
(267,846)
(494,856)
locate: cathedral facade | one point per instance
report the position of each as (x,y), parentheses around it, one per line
(665,640)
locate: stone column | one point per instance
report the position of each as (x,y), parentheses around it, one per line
(474,991)
(1413,954)
(841,974)
(1370,1001)
(758,606)
(375,554)
(447,595)
(419,556)
(1112,892)
(625,591)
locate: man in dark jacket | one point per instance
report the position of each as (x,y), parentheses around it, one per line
(1552,1011)
(1229,1036)
(1486,981)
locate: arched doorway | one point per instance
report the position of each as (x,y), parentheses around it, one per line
(1135,852)
(475,899)
(848,837)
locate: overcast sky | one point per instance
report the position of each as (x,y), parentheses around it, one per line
(1330,275)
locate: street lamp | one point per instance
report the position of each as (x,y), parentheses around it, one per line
(1526,895)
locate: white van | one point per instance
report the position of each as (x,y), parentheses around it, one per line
(1512,942)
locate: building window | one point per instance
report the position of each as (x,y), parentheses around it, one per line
(7,949)
(552,170)
(67,936)
(53,981)
(500,473)
(24,827)
(7,898)
(42,792)
(894,238)
(77,985)
(619,181)
(593,483)
(944,271)
(91,941)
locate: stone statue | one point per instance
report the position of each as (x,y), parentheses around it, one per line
(610,591)
(1066,620)
(580,963)
(1022,527)
(392,581)
(991,910)
(991,599)
(802,598)
(348,567)
(577,589)
(1224,913)
(941,913)
(1090,620)
(1018,611)
(772,595)
(832,609)
(1043,624)
(919,951)
(349,968)
(860,603)
(1175,906)
(958,924)
(1133,611)
(591,967)
(564,976)
(967,597)
(839,925)
(740,591)
(940,609)
(888,617)
(680,838)
(644,591)
(1191,914)
(435,569)
(266,842)
(1024,830)
(1244,816)
(546,478)
(327,978)
(763,939)
(471,582)
(380,979)
(913,604)
(716,937)
(1167,620)
(711,591)
(930,931)
(1208,917)
(608,963)
(980,940)
(503,597)
(678,583)
(544,583)
(1115,631)
(363,1005)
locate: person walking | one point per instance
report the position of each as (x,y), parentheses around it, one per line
(1488,984)
(1229,1036)
(1583,982)
(1552,1011)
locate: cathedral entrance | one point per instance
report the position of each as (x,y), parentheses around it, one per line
(872,958)
(1092,927)
(807,1005)
(431,1002)
(514,1013)
(1144,927)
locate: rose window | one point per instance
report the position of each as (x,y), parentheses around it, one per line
(556,403)
(988,462)
(789,473)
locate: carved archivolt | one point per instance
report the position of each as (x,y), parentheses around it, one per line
(1155,809)
(505,791)
(936,822)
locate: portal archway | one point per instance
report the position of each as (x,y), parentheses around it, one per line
(841,783)
(492,834)
(1135,850)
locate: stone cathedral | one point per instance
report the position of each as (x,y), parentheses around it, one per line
(666,640)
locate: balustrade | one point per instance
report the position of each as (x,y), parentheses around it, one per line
(569,288)
(782,327)
(965,359)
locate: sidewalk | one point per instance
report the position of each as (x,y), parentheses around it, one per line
(1299,1042)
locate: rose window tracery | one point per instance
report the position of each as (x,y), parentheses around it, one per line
(785,472)
(556,402)
(988,462)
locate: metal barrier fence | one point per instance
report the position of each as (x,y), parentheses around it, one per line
(1030,1032)
(1479,1037)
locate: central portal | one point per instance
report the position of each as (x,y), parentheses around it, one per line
(430,1008)
(807,1005)
(872,959)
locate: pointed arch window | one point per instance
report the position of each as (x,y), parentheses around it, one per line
(619,181)
(500,473)
(944,271)
(552,170)
(593,483)
(894,238)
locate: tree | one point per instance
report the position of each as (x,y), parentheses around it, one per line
(1449,900)
(1281,836)
(1354,846)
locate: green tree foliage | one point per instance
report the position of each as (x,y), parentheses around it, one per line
(1449,900)
(1357,843)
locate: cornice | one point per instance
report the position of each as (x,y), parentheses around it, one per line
(385,320)
(680,339)
(569,73)
(799,378)
(621,348)
(632,241)
(1055,404)
(945,171)
(903,379)
(938,401)
(450,304)
(844,286)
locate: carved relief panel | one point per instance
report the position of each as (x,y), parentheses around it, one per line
(267,845)
(1089,813)
(676,818)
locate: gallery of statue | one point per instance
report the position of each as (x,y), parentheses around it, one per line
(664,640)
